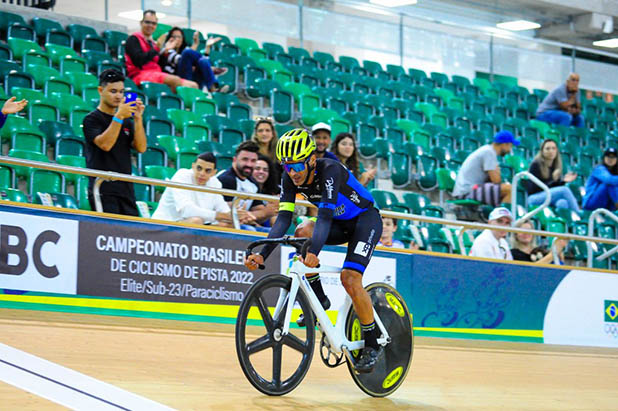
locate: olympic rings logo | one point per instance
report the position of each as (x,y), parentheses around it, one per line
(611,329)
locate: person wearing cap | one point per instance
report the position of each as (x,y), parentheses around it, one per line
(563,106)
(321,134)
(602,185)
(492,243)
(479,177)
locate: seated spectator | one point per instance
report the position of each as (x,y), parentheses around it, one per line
(187,62)
(266,176)
(562,105)
(265,136)
(547,167)
(344,148)
(239,178)
(525,248)
(142,56)
(479,177)
(196,207)
(602,185)
(492,243)
(11,107)
(389,226)
(321,134)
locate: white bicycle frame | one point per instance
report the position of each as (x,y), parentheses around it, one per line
(335,334)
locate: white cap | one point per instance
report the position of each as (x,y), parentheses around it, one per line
(320,126)
(498,212)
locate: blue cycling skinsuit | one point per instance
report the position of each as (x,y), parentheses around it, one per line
(346,213)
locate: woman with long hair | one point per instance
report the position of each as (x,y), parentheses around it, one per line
(525,248)
(547,167)
(265,135)
(602,185)
(344,147)
(266,176)
(187,62)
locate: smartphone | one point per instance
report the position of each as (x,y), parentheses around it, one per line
(130,96)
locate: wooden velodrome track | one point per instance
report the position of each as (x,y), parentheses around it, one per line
(193,366)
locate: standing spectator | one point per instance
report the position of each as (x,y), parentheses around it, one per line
(11,107)
(265,136)
(110,133)
(344,147)
(492,243)
(142,56)
(389,226)
(525,248)
(562,105)
(188,63)
(479,177)
(321,134)
(196,207)
(602,185)
(547,167)
(239,178)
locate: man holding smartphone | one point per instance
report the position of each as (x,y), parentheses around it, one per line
(111,131)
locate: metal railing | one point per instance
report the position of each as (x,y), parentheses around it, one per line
(111,176)
(537,210)
(591,221)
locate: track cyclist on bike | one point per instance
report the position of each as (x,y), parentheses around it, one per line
(346,214)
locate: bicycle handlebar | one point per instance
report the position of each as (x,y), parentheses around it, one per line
(296,242)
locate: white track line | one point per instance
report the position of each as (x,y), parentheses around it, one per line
(65,386)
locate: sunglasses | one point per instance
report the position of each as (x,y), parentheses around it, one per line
(296,167)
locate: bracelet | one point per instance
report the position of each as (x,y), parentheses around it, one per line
(117,120)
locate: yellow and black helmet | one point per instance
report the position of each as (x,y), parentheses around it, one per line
(295,146)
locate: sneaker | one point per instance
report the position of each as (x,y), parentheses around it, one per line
(219,71)
(301,319)
(368,359)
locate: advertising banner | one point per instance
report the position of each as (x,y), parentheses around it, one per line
(38,253)
(163,264)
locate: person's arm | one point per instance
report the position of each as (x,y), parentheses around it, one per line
(491,166)
(107,139)
(495,176)
(287,202)
(137,55)
(605,176)
(139,135)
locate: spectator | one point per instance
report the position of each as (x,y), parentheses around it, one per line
(265,136)
(266,176)
(187,62)
(196,207)
(547,167)
(239,178)
(11,107)
(525,248)
(602,185)
(321,134)
(142,56)
(344,148)
(389,226)
(562,105)
(479,177)
(492,243)
(111,132)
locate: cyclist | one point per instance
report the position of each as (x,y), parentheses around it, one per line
(346,214)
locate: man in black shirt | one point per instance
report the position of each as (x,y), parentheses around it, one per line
(110,133)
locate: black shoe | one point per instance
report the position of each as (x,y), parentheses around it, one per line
(368,359)
(325,304)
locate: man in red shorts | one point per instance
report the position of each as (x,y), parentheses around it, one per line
(142,56)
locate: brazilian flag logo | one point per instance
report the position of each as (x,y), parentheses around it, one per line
(611,311)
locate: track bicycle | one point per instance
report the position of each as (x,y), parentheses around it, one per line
(274,302)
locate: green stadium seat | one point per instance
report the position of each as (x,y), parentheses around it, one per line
(72,161)
(153,90)
(5,53)
(28,94)
(79,32)
(114,40)
(181,117)
(57,85)
(55,130)
(203,106)
(69,145)
(67,103)
(56,51)
(7,19)
(59,37)
(186,158)
(17,79)
(76,119)
(188,94)
(399,164)
(388,200)
(60,200)
(282,103)
(39,111)
(93,43)
(272,49)
(82,80)
(28,140)
(12,194)
(153,156)
(196,132)
(21,31)
(298,53)
(7,176)
(161,29)
(224,101)
(323,58)
(71,64)
(160,173)
(173,145)
(240,111)
(426,172)
(19,47)
(166,101)
(22,171)
(416,202)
